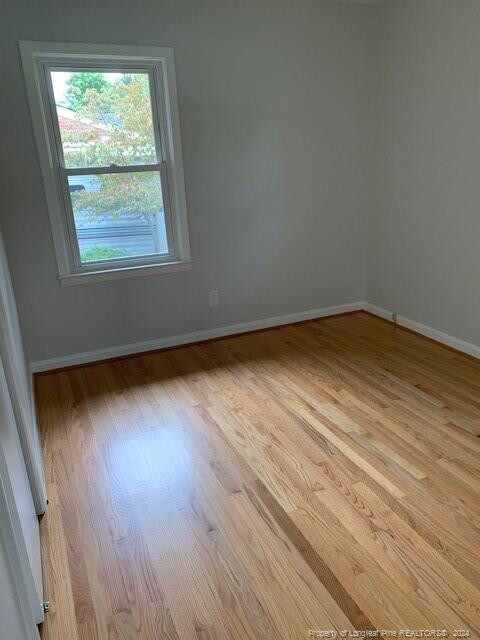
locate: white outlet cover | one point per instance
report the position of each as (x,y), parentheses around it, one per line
(214,298)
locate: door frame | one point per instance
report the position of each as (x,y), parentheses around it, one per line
(20,385)
(31,610)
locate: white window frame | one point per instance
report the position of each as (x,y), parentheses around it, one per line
(40,57)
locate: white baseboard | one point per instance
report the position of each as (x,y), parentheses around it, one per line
(425,330)
(188,338)
(378,311)
(207,334)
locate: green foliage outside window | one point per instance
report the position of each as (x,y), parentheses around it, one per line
(79,83)
(114,127)
(97,252)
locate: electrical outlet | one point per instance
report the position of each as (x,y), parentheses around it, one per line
(214,298)
(394,318)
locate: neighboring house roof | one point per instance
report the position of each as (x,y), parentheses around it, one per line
(70,122)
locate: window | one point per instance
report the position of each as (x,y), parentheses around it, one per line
(107,130)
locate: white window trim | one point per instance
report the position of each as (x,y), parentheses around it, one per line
(33,55)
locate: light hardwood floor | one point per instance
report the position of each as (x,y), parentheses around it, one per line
(314,477)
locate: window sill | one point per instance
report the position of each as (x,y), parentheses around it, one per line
(124,272)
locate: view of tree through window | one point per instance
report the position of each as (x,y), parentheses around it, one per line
(105,121)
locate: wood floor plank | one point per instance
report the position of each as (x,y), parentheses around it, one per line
(323,477)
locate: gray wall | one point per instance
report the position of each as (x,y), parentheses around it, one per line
(424,236)
(275,114)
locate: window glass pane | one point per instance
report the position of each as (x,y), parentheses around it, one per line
(104,118)
(118,216)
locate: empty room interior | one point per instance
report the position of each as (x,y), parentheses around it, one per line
(240,319)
